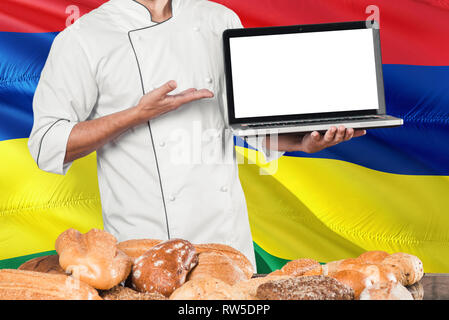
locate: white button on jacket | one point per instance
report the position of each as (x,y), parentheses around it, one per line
(103,64)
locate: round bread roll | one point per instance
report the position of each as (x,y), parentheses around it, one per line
(32,285)
(217,265)
(408,268)
(124,293)
(207,288)
(373,257)
(305,288)
(355,279)
(93,258)
(46,264)
(249,287)
(386,291)
(137,247)
(164,267)
(239,258)
(300,267)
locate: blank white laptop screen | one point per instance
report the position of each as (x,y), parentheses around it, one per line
(304,73)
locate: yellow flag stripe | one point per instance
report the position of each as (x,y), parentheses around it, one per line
(330,209)
(317,208)
(35,206)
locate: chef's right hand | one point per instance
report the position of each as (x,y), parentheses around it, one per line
(158,101)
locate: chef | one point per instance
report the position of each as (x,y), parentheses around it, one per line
(137,81)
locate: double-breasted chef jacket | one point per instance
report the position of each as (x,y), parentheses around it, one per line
(103,64)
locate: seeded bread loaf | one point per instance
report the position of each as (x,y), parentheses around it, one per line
(305,288)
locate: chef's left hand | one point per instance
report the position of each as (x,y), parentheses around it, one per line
(314,141)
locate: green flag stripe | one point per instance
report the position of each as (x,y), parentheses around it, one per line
(14,263)
(266,262)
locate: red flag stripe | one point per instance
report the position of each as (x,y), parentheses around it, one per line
(414,32)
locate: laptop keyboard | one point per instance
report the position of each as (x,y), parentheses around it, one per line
(309,121)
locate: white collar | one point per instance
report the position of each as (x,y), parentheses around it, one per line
(134,15)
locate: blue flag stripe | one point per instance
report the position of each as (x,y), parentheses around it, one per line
(418,94)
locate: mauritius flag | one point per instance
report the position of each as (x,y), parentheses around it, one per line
(388,190)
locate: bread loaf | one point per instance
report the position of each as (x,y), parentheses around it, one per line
(249,287)
(239,258)
(339,265)
(93,257)
(123,293)
(207,288)
(347,264)
(417,291)
(32,285)
(331,267)
(408,268)
(305,288)
(225,295)
(386,291)
(374,273)
(136,248)
(373,257)
(402,267)
(300,267)
(217,265)
(47,264)
(164,267)
(354,279)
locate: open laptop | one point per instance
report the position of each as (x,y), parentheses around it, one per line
(305,78)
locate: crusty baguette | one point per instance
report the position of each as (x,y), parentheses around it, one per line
(31,285)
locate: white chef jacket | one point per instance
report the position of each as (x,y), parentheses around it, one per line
(103,64)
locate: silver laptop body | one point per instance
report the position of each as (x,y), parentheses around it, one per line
(305,78)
